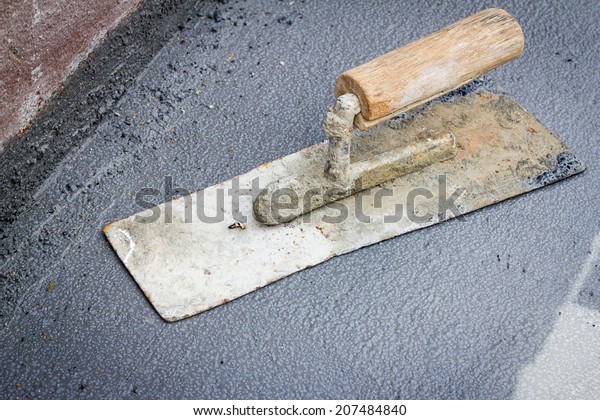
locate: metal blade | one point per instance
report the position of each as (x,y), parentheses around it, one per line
(190,265)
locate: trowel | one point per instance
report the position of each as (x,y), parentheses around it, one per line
(411,141)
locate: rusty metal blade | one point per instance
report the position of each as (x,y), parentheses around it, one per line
(190,265)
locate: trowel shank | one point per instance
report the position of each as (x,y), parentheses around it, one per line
(286,199)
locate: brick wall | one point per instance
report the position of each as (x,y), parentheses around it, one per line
(41,43)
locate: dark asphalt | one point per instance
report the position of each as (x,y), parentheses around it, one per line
(201,93)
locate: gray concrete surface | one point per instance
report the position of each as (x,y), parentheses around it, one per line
(500,305)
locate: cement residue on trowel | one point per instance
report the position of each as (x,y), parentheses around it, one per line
(187,268)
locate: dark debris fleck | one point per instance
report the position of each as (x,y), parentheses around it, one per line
(567,164)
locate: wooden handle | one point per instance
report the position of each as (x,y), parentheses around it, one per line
(432,66)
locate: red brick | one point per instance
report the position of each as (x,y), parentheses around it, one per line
(42,43)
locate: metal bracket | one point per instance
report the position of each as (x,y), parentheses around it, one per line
(342,178)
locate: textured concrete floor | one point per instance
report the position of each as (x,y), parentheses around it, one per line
(505,304)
